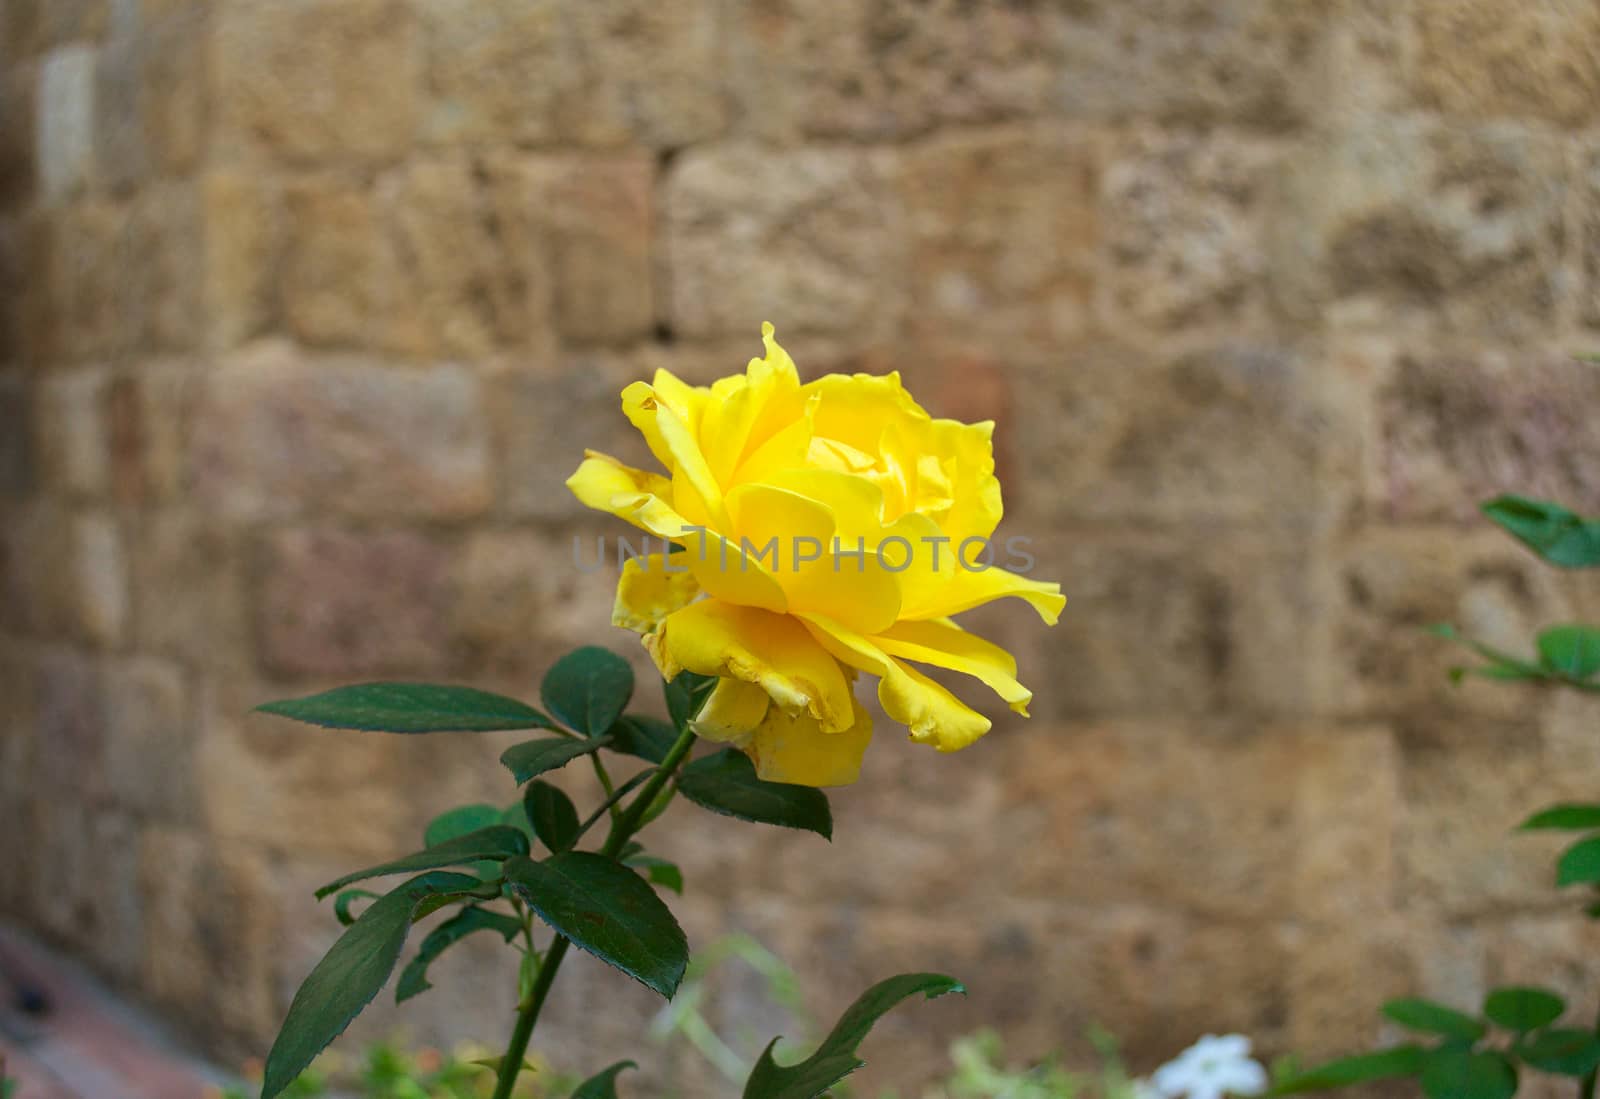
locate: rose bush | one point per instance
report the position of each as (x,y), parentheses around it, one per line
(828,529)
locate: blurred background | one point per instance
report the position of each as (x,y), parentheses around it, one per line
(310,306)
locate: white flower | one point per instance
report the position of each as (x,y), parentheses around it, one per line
(1210,1069)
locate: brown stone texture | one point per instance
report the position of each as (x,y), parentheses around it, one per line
(311,307)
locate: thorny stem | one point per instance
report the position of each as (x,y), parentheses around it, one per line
(623,827)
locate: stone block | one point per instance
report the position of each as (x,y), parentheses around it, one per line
(148,100)
(648,74)
(189,590)
(337,272)
(493,70)
(18,465)
(1458,428)
(74,456)
(244,229)
(100,579)
(1239,432)
(64,122)
(811,239)
(1410,224)
(1185,235)
(885,71)
(1480,59)
(18,135)
(149,741)
(347,603)
(969,201)
(277,435)
(1384,588)
(71,732)
(597,216)
(310,81)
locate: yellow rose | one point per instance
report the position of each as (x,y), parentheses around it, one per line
(820,528)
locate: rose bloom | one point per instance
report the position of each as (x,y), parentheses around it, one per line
(846,462)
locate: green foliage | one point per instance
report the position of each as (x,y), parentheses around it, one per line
(1523,1009)
(588,689)
(1453,1073)
(648,738)
(836,1058)
(1386,1064)
(350,975)
(686,694)
(1562,1051)
(603,1085)
(410,708)
(658,871)
(606,909)
(1570,652)
(1559,536)
(1432,1018)
(552,816)
(1566,818)
(725,782)
(534,758)
(1580,863)
(414,978)
(495,842)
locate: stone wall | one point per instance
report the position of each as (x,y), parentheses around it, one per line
(312,305)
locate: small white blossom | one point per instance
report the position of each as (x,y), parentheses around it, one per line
(1210,1069)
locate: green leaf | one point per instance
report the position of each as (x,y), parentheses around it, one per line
(410,708)
(1432,1018)
(603,1086)
(1550,530)
(725,782)
(1562,1050)
(1579,863)
(686,693)
(659,871)
(497,842)
(414,977)
(587,689)
(649,738)
(1500,665)
(1461,1074)
(1572,652)
(463,820)
(608,910)
(349,976)
(530,760)
(1566,818)
(836,1058)
(342,903)
(553,816)
(1523,1009)
(1384,1065)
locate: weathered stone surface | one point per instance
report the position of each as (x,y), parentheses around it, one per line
(244,228)
(148,100)
(463,272)
(149,741)
(1589,235)
(100,579)
(1238,431)
(807,238)
(968,201)
(1420,225)
(309,80)
(887,70)
(18,135)
(74,455)
(1385,588)
(65,575)
(64,126)
(189,590)
(1458,429)
(650,74)
(596,215)
(544,421)
(17,464)
(1189,62)
(1493,59)
(1185,233)
(336,273)
(71,753)
(343,603)
(210,920)
(493,70)
(276,435)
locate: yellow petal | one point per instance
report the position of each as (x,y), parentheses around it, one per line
(796,750)
(932,714)
(732,712)
(967,588)
(944,644)
(776,651)
(605,484)
(652,587)
(639,405)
